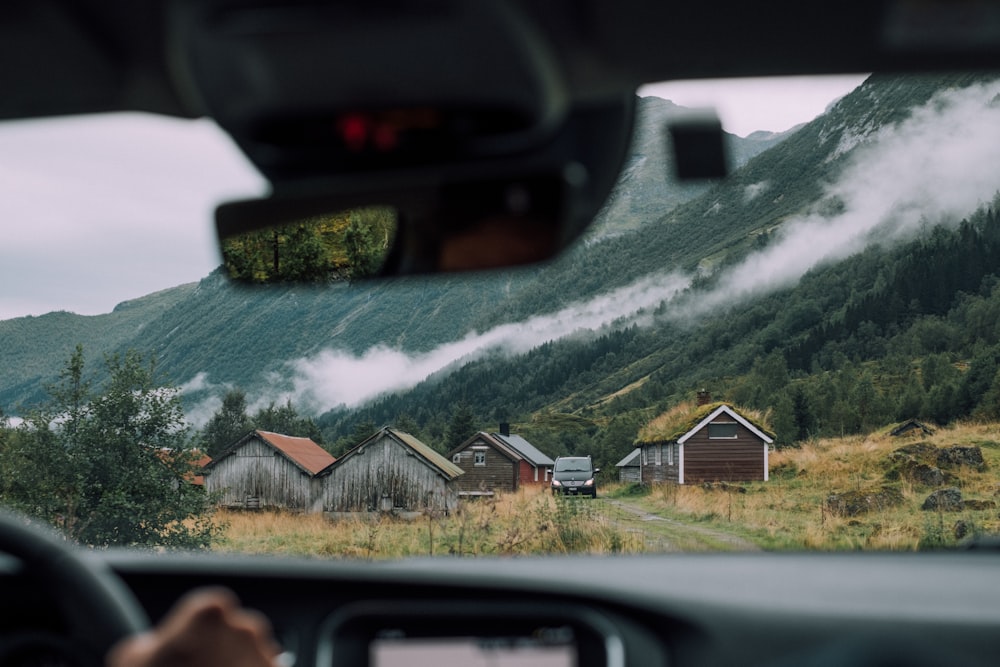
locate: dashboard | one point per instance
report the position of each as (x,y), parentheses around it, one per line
(685,609)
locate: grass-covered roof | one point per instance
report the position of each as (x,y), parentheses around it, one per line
(678,420)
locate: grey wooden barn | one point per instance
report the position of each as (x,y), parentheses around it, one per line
(391,470)
(629,468)
(269,470)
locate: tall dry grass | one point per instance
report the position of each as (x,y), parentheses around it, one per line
(790,511)
(527,522)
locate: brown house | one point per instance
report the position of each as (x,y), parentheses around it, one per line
(390,470)
(501,461)
(265,469)
(710,443)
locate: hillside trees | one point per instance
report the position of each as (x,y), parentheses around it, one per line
(231,422)
(109,466)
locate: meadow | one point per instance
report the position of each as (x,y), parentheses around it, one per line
(530,521)
(792,511)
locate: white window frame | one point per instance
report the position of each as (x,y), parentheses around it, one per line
(479,457)
(670,454)
(658,453)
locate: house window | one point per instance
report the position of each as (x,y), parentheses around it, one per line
(457,458)
(659,453)
(722,431)
(645,455)
(480,458)
(670,454)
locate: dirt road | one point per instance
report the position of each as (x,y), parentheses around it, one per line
(665,534)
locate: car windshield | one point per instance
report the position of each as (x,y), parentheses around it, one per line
(802,355)
(572,465)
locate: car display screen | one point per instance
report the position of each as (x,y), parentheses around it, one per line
(543,651)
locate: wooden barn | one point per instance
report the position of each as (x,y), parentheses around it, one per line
(269,470)
(628,468)
(501,461)
(391,470)
(709,443)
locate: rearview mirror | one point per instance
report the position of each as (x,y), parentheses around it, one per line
(350,235)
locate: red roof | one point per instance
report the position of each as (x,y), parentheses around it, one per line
(302,451)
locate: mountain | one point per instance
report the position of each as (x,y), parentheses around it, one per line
(812,345)
(646,187)
(190,328)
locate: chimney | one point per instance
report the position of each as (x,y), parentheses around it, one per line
(704,397)
(504,429)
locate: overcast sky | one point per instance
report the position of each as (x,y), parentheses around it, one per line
(99,210)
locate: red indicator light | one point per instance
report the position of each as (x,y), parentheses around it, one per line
(354,130)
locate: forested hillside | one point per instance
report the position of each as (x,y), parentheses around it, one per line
(236,336)
(847,278)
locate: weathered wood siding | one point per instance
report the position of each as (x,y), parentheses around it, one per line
(383,474)
(256,475)
(631,473)
(741,459)
(499,473)
(666,468)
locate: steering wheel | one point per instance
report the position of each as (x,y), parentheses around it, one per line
(98,607)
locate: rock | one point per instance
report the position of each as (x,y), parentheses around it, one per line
(971,457)
(927,475)
(947,500)
(962,528)
(853,503)
(917,450)
(979,505)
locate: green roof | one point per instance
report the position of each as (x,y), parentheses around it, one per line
(447,467)
(682,418)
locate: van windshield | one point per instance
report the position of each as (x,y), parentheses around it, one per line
(572,465)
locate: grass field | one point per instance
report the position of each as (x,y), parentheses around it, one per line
(789,512)
(530,521)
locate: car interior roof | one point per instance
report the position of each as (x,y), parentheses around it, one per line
(84,56)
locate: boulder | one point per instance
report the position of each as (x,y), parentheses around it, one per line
(927,475)
(853,503)
(947,500)
(971,457)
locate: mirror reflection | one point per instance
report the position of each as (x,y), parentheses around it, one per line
(346,245)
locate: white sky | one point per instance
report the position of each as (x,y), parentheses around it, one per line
(103,209)
(748,105)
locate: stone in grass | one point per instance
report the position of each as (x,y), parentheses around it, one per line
(927,475)
(853,503)
(971,457)
(946,500)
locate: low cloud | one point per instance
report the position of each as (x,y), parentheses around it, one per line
(333,378)
(937,167)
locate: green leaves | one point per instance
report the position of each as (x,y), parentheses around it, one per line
(109,467)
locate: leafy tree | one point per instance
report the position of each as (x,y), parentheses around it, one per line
(287,421)
(227,425)
(364,256)
(110,467)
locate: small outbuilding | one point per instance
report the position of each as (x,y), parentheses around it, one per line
(269,470)
(713,442)
(391,471)
(629,468)
(501,461)
(911,427)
